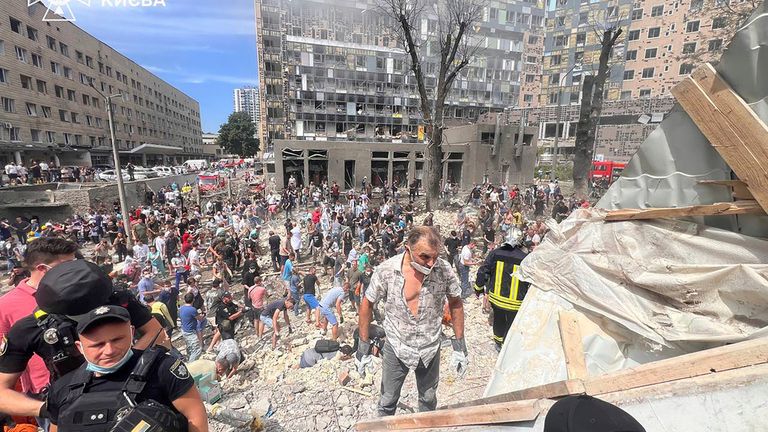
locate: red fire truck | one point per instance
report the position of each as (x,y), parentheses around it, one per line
(606,171)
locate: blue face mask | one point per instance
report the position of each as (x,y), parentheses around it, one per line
(92,367)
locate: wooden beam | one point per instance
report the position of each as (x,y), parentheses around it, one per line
(730,125)
(739,188)
(506,412)
(570,335)
(729,208)
(546,391)
(738,355)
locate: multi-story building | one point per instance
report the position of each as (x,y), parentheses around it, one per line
(211,150)
(661,42)
(333,70)
(50,111)
(247,100)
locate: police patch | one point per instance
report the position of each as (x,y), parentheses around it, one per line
(179,370)
(3,345)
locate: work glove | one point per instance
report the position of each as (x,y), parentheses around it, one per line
(363,356)
(459,360)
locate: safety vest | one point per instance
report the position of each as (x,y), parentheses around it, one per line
(499,275)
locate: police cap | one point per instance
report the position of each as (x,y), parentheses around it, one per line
(101,313)
(73,288)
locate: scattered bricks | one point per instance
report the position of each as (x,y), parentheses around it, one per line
(344,377)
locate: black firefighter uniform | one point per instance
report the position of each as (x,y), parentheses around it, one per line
(505,292)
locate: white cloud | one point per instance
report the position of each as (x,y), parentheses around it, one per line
(184,76)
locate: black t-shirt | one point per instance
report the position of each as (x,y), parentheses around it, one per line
(452,244)
(169,380)
(277,305)
(310,281)
(225,310)
(25,338)
(274,243)
(317,239)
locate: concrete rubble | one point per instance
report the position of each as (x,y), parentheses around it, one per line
(313,399)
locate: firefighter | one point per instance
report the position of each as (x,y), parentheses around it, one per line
(497,280)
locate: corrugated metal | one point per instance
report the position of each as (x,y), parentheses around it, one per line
(666,168)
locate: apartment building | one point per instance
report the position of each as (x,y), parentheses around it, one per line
(662,40)
(50,111)
(334,71)
(247,100)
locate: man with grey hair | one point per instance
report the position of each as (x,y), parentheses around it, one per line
(414,287)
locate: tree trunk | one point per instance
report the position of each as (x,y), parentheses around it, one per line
(582,159)
(585,137)
(434,167)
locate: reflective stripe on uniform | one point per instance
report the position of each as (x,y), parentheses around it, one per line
(499,276)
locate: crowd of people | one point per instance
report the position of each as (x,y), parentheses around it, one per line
(259,263)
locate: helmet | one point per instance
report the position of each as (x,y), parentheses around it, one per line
(514,236)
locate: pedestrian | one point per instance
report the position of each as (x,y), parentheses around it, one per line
(311,283)
(270,317)
(416,285)
(190,316)
(465,260)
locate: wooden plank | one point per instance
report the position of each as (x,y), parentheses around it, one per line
(730,125)
(739,188)
(742,354)
(506,412)
(546,391)
(570,335)
(729,208)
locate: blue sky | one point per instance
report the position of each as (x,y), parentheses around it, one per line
(205,48)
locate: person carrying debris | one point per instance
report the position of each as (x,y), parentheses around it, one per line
(497,280)
(414,286)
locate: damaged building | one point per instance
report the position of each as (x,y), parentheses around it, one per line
(485,151)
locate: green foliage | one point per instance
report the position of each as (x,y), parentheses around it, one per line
(238,135)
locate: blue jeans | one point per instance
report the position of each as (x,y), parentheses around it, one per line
(466,290)
(296,298)
(193,346)
(179,276)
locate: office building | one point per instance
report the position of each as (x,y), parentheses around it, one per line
(247,100)
(333,71)
(50,112)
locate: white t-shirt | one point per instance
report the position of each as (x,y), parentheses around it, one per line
(466,255)
(296,238)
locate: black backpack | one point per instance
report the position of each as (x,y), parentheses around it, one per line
(326,346)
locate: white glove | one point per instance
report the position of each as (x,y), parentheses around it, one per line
(363,363)
(459,360)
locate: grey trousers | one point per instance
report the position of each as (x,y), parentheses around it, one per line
(393,376)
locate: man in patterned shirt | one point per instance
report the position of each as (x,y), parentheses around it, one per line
(414,287)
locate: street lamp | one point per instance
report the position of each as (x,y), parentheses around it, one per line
(116,160)
(559,115)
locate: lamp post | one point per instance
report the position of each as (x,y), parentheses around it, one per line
(559,115)
(116,160)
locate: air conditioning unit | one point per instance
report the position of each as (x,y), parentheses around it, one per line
(7,125)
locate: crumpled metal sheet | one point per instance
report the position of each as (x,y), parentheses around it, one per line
(666,168)
(668,281)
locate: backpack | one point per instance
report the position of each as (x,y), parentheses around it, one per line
(326,346)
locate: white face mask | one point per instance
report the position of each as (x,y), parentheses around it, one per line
(418,267)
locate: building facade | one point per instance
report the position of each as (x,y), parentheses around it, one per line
(247,100)
(661,42)
(50,111)
(211,150)
(333,70)
(473,155)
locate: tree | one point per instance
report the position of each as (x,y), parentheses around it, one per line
(238,135)
(454,51)
(589,114)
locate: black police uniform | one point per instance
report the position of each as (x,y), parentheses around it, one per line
(82,402)
(26,338)
(505,291)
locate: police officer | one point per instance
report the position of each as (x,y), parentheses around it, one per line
(121,388)
(71,288)
(503,290)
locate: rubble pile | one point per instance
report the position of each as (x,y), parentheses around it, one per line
(332,396)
